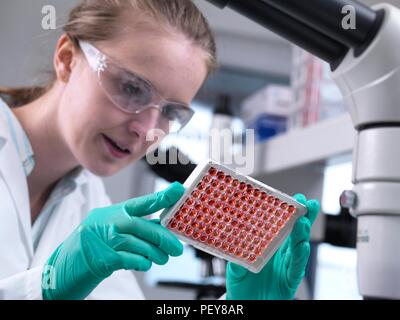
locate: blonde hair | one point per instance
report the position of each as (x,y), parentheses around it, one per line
(97,20)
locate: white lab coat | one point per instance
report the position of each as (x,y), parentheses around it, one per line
(20,265)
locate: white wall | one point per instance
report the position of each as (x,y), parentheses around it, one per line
(25,48)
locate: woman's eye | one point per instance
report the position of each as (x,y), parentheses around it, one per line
(170,113)
(135,92)
(130,89)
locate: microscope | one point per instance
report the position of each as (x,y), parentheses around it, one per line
(365,63)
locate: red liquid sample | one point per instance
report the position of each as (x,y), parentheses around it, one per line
(232,216)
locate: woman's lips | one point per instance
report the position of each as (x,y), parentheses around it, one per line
(113,149)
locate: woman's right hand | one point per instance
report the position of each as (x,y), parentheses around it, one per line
(110,239)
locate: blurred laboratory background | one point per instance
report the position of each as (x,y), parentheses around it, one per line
(264,83)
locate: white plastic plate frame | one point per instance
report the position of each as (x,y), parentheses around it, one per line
(191,183)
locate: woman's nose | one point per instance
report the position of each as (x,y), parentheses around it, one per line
(145,121)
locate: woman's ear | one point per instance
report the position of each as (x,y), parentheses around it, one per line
(64,58)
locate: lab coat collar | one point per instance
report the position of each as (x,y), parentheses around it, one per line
(12,171)
(4,134)
(80,176)
(2,142)
(71,182)
(3,131)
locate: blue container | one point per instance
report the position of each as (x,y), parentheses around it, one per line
(267,126)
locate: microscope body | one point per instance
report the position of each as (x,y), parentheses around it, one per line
(370,85)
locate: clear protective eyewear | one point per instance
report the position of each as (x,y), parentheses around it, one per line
(133,94)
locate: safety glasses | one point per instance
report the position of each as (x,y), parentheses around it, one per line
(133,94)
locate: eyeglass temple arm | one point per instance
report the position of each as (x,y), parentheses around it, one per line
(94,57)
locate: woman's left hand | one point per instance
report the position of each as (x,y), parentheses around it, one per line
(282,275)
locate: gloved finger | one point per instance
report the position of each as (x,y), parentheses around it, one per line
(132,244)
(131,261)
(145,205)
(301,232)
(297,264)
(154,233)
(300,198)
(312,206)
(235,272)
(285,246)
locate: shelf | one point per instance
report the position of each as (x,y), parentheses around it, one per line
(302,146)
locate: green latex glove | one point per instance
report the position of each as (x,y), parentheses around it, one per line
(282,275)
(110,239)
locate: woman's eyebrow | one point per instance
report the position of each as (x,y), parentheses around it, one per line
(148,83)
(138,78)
(133,74)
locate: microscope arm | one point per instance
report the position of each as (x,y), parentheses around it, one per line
(314,25)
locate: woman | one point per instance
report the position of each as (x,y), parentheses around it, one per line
(121,69)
